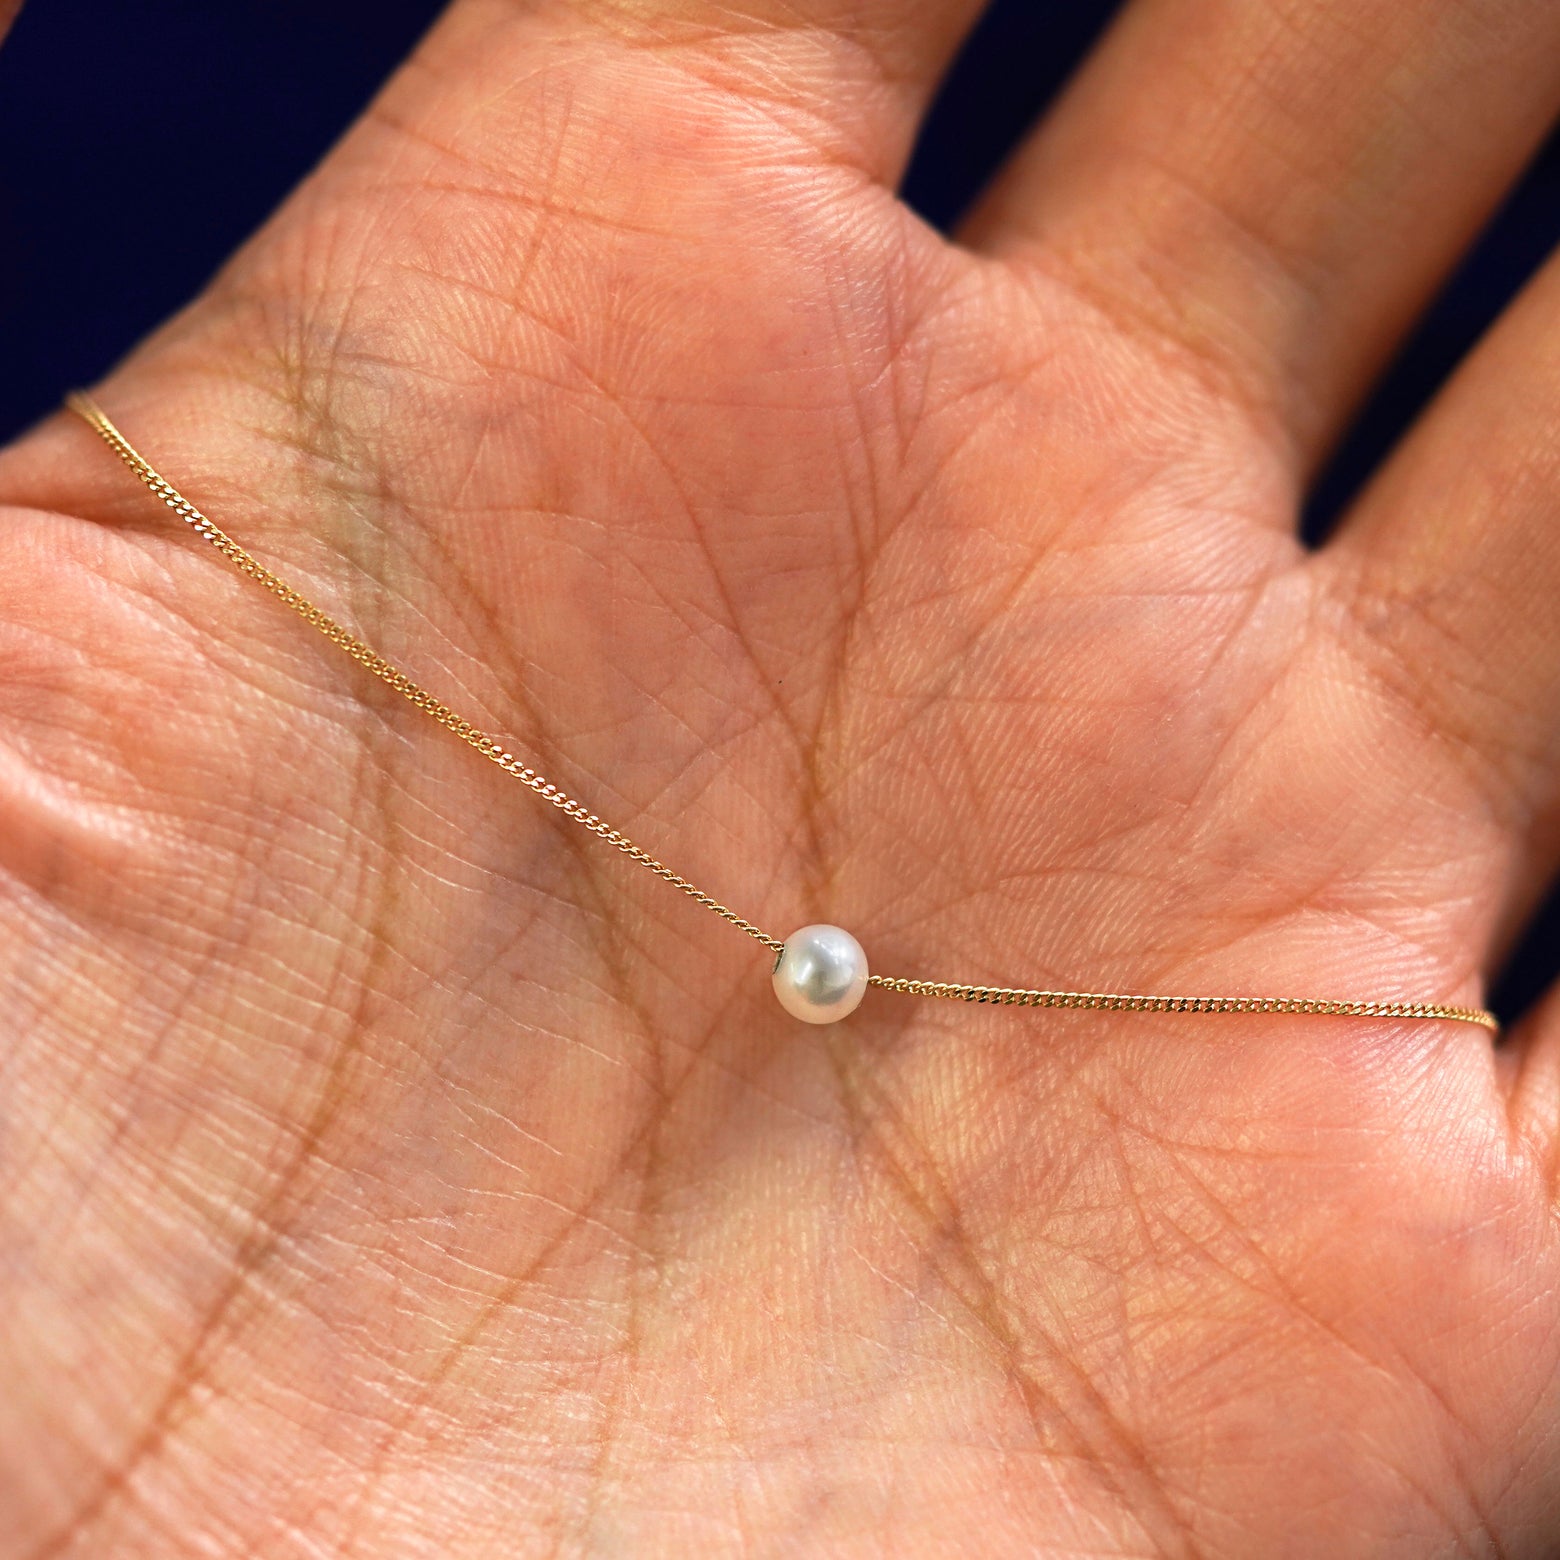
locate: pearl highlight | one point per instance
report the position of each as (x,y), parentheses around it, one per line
(821,975)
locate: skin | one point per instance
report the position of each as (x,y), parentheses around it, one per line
(390,1169)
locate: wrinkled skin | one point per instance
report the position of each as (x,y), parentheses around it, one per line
(389,1169)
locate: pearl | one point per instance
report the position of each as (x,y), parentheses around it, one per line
(821,974)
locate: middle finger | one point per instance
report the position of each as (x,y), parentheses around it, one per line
(1274,190)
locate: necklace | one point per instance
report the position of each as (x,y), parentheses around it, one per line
(820,972)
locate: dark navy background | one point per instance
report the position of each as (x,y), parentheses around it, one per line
(140,143)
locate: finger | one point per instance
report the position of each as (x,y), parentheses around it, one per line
(1449,570)
(1529,1065)
(1274,190)
(850,78)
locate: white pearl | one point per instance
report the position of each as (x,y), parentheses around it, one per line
(821,975)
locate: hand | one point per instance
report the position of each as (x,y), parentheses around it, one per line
(391,1169)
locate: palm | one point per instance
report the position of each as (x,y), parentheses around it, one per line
(398,1170)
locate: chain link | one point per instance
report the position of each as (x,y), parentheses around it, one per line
(1118,1002)
(492,749)
(484,742)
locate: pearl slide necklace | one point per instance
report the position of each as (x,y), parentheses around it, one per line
(820,972)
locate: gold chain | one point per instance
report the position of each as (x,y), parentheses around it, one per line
(492,749)
(488,746)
